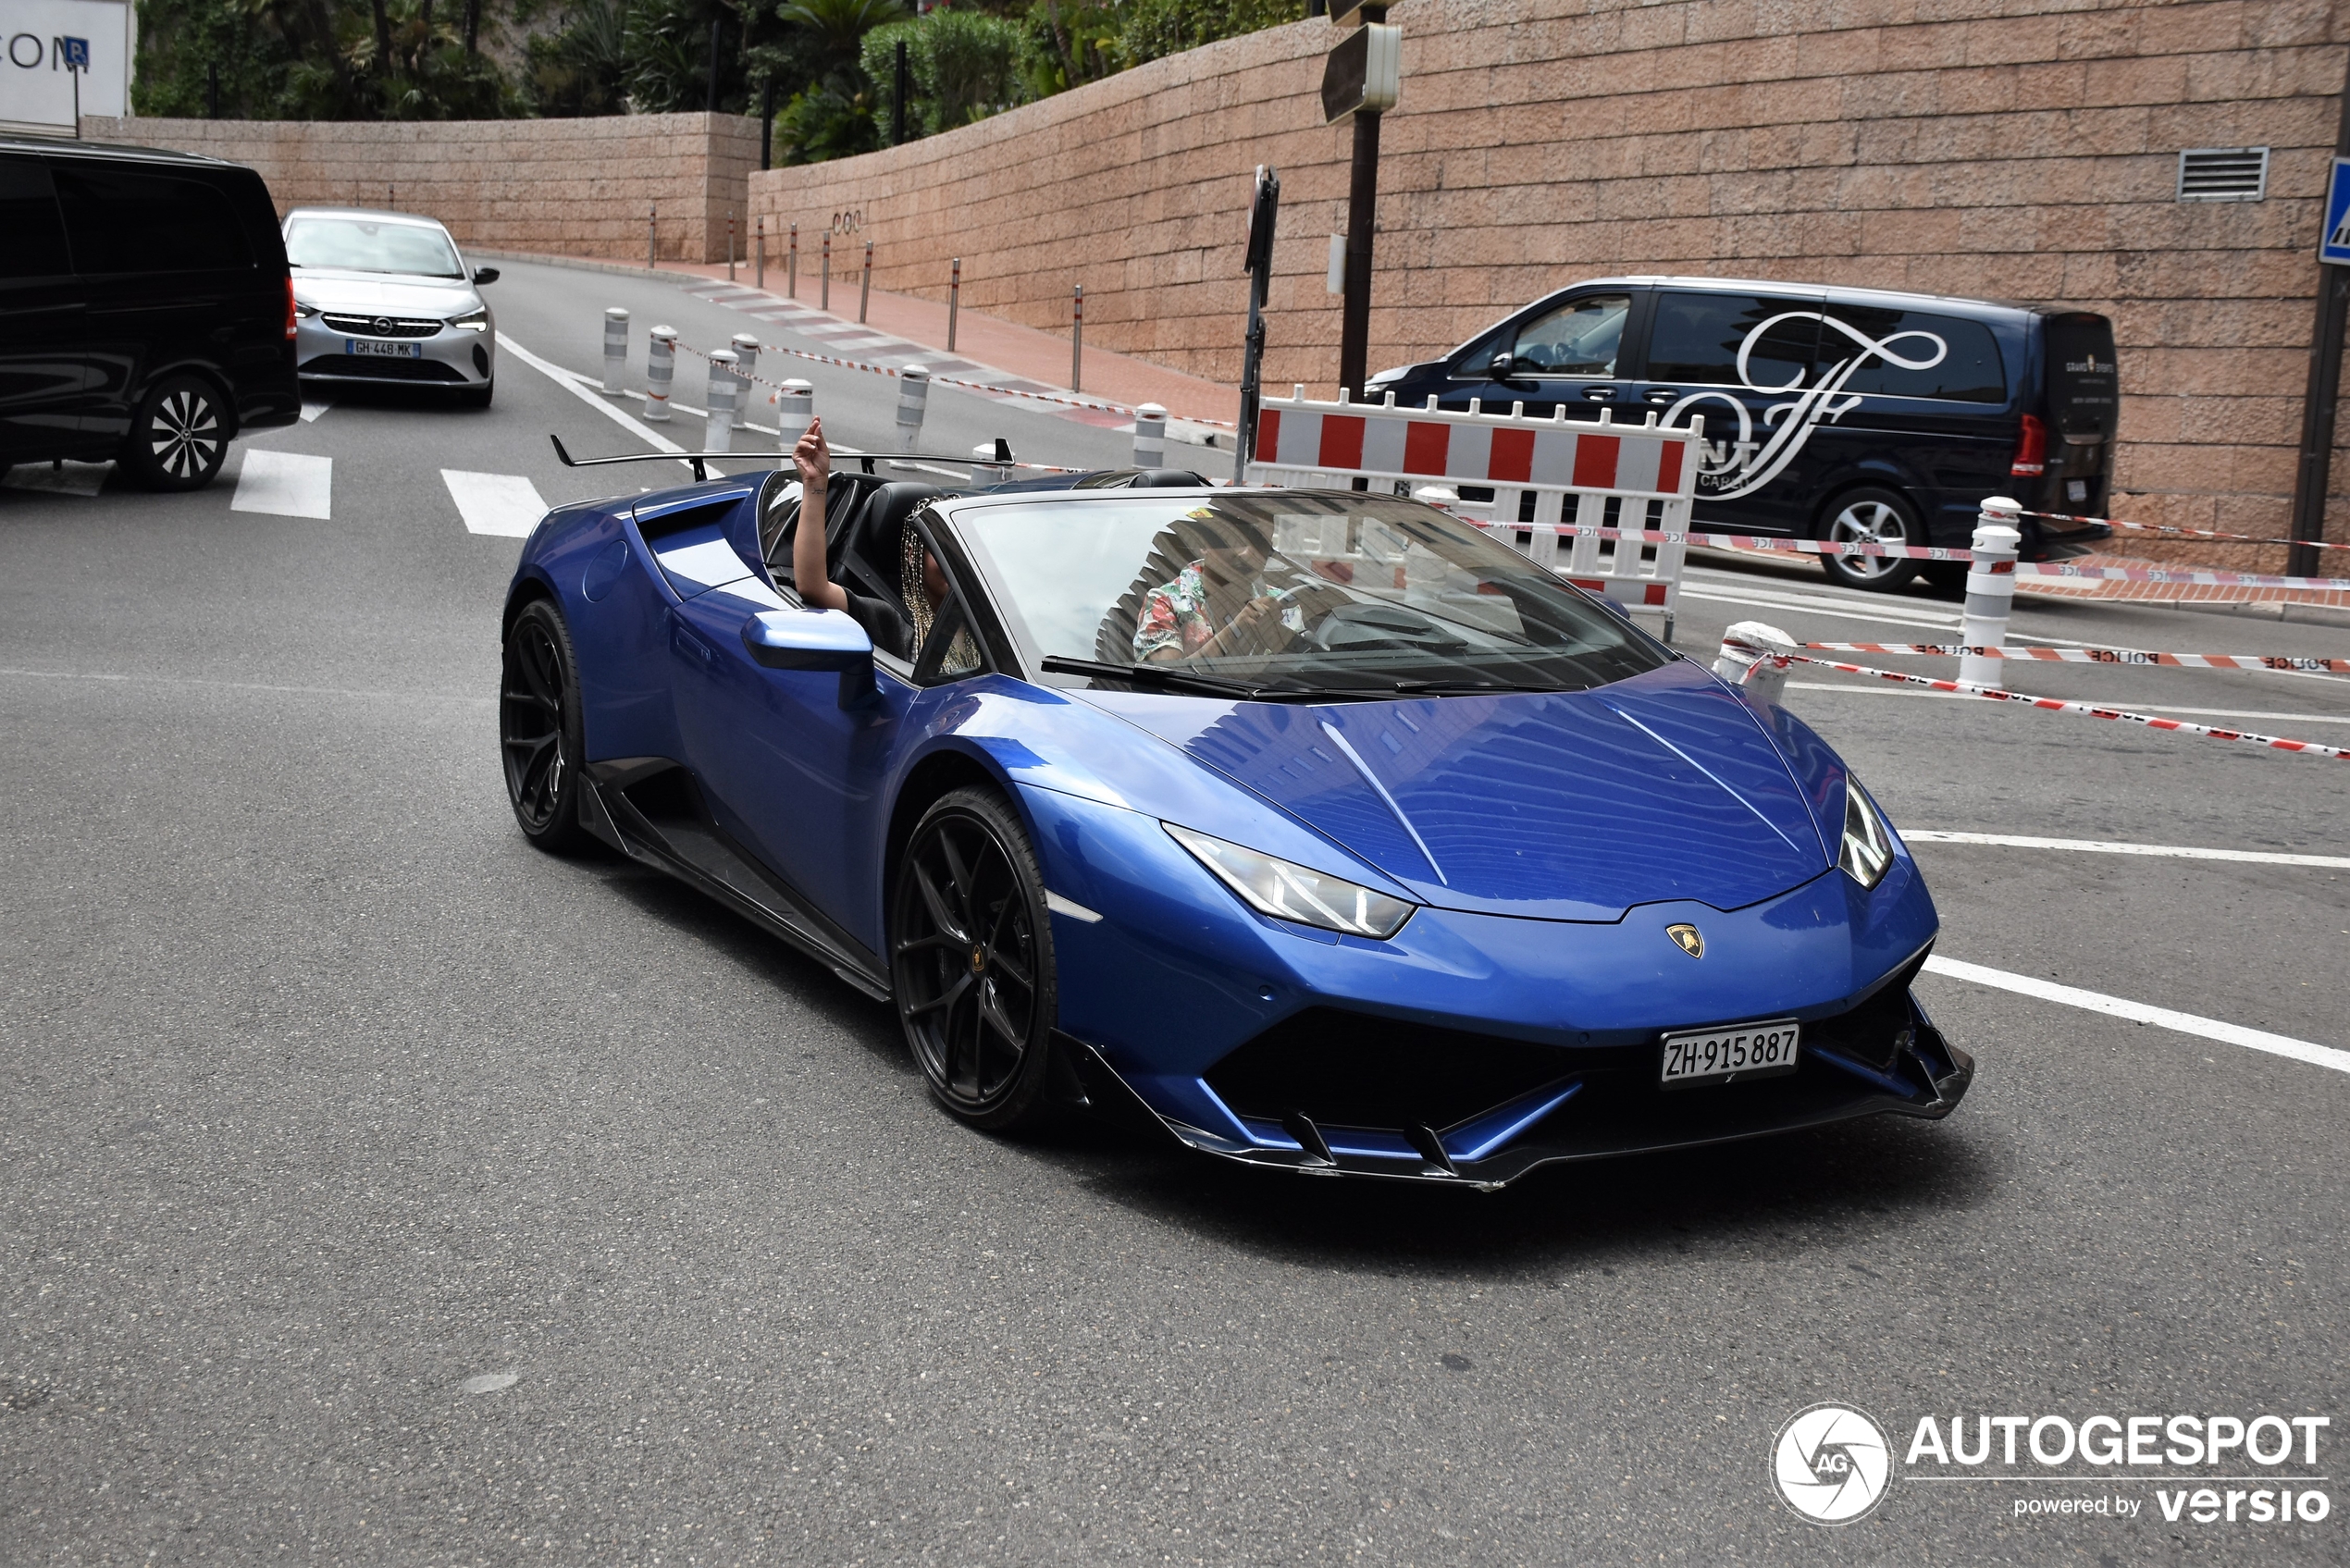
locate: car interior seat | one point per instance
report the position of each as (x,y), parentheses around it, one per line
(845,499)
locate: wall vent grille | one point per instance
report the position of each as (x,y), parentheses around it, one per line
(2223,174)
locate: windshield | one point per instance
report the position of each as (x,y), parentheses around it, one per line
(1265,593)
(355,244)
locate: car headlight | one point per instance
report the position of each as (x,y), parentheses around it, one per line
(1290,892)
(1868,843)
(304,311)
(475,320)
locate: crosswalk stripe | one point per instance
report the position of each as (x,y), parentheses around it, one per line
(285,483)
(311,410)
(505,504)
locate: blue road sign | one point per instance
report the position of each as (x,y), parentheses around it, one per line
(73,54)
(2335,246)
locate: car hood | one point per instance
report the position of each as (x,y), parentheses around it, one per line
(1560,805)
(374,293)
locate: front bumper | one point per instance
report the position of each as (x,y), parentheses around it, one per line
(446,358)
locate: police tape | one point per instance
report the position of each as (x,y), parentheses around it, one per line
(2173,531)
(2159,575)
(938,380)
(2055,705)
(2100,656)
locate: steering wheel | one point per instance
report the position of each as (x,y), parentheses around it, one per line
(1359,626)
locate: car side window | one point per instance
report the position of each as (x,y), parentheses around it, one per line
(1966,365)
(1695,338)
(1581,337)
(37,235)
(131,220)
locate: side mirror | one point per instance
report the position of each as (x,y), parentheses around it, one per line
(1504,366)
(818,640)
(484,274)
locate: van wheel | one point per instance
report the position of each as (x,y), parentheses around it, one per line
(1871,516)
(180,436)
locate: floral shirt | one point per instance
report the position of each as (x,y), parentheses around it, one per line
(1175,616)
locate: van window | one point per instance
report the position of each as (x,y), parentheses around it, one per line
(136,220)
(1968,369)
(1697,337)
(36,236)
(2084,379)
(1581,338)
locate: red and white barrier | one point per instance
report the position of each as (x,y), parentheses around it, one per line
(1648,473)
(2293,662)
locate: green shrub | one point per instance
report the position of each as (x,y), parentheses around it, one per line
(965,64)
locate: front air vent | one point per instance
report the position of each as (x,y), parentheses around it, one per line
(2223,174)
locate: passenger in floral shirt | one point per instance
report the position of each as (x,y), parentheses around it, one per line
(1212,608)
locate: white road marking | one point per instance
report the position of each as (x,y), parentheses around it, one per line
(1815,607)
(2135,705)
(505,504)
(2138,1012)
(285,483)
(584,390)
(144,679)
(311,410)
(2103,846)
(65,480)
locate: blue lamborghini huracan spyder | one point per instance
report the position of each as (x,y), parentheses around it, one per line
(1317,827)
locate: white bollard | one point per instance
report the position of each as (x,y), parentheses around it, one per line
(993,465)
(913,401)
(1752,660)
(1150,437)
(1441,497)
(616,350)
(746,347)
(661,368)
(795,408)
(1990,590)
(719,435)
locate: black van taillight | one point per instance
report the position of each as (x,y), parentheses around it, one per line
(2032,451)
(289,314)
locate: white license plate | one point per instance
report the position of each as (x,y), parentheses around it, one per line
(1720,1055)
(369,348)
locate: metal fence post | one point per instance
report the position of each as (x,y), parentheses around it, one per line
(954,300)
(1751,660)
(719,435)
(729,244)
(1077,340)
(1990,590)
(865,290)
(652,238)
(616,350)
(759,242)
(824,297)
(1150,437)
(795,408)
(791,265)
(661,368)
(914,401)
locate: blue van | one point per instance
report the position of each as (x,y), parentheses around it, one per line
(1852,414)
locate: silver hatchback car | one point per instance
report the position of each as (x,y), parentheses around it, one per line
(385,298)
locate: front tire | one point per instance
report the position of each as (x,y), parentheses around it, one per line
(971,962)
(179,435)
(1871,516)
(539,729)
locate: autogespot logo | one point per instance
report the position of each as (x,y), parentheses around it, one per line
(1832,1464)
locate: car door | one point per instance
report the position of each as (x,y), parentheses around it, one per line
(1570,352)
(44,362)
(1745,364)
(167,270)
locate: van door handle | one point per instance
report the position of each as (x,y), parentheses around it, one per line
(1661,395)
(1598,394)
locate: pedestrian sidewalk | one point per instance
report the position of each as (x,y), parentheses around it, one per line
(1003,354)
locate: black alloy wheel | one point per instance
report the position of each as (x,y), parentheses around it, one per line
(179,435)
(1871,516)
(539,731)
(971,961)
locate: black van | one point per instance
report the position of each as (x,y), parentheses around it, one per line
(146,311)
(1830,413)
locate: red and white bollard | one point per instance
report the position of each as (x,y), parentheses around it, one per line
(914,401)
(661,369)
(1754,658)
(1150,437)
(1441,497)
(795,410)
(1990,590)
(616,350)
(719,434)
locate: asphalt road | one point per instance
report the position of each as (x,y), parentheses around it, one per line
(380,1189)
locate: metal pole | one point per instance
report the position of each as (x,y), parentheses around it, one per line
(1362,200)
(2314,475)
(1077,340)
(729,244)
(767,128)
(710,104)
(652,243)
(791,261)
(865,289)
(901,79)
(954,300)
(1252,376)
(824,294)
(759,238)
